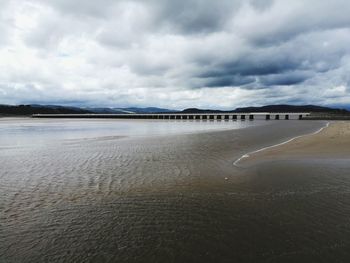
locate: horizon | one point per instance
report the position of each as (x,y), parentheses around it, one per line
(210,55)
(195,108)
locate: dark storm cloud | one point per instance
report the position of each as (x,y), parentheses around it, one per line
(257,67)
(287,79)
(194,16)
(289,63)
(227,81)
(260,68)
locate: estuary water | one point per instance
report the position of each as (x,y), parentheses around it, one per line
(165,191)
(30,132)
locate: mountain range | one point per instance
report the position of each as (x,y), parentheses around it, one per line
(24,110)
(275,108)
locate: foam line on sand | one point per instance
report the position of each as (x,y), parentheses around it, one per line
(247,155)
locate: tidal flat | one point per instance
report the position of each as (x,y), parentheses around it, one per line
(167,191)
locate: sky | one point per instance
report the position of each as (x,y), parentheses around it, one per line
(218,54)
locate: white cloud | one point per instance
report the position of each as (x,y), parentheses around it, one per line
(177,54)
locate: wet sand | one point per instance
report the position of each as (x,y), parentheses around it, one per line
(333,141)
(172,198)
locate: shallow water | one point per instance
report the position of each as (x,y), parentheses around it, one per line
(31,132)
(106,191)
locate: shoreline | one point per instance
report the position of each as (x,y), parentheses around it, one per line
(247,155)
(331,141)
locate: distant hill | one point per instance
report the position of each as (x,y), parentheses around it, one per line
(195,110)
(147,110)
(23,110)
(290,108)
(128,110)
(274,108)
(106,111)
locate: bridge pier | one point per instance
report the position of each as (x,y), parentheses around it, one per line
(189,116)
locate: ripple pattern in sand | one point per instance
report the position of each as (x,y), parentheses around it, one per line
(167,199)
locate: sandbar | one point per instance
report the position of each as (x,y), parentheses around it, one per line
(331,142)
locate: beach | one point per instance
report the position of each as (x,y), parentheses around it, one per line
(331,141)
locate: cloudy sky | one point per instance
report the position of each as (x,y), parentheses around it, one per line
(175,54)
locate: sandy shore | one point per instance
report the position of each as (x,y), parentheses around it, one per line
(331,142)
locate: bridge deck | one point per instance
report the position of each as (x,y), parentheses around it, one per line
(185,116)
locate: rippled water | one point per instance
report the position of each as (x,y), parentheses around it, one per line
(31,132)
(158,191)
